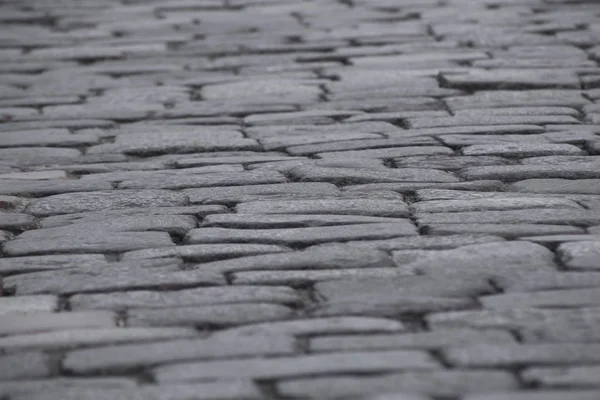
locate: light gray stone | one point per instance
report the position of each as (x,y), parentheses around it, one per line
(544,299)
(14,388)
(124,358)
(17,221)
(28,304)
(575,170)
(375,207)
(580,255)
(109,200)
(509,231)
(14,323)
(346,176)
(26,365)
(441,206)
(531,216)
(518,150)
(271,221)
(199,296)
(400,386)
(334,256)
(206,252)
(282,367)
(16,265)
(300,236)
(573,376)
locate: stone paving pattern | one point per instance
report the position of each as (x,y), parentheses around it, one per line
(300,199)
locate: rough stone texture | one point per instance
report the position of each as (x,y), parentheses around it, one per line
(270,199)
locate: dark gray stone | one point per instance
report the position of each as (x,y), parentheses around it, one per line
(16,265)
(448,162)
(347,176)
(574,376)
(51,187)
(17,222)
(511,79)
(26,365)
(582,186)
(520,172)
(524,98)
(573,298)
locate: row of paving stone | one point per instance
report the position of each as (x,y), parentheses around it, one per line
(289,200)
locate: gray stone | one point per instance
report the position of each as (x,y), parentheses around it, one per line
(282,367)
(345,176)
(129,357)
(38,155)
(206,252)
(314,326)
(532,216)
(227,160)
(232,194)
(425,242)
(462,140)
(576,170)
(108,200)
(377,208)
(303,278)
(205,180)
(544,299)
(580,255)
(509,231)
(26,365)
(9,265)
(42,385)
(574,376)
(14,323)
(448,162)
(28,304)
(84,241)
(521,150)
(506,355)
(554,240)
(524,98)
(46,137)
(390,152)
(318,257)
(72,338)
(112,278)
(17,222)
(271,221)
(50,187)
(190,141)
(486,119)
(200,296)
(300,236)
(278,91)
(538,395)
(547,280)
(346,147)
(236,389)
(511,79)
(411,187)
(209,315)
(432,340)
(486,258)
(441,206)
(406,384)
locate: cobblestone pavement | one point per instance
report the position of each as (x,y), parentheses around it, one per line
(286,199)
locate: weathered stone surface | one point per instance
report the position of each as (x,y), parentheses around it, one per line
(537,395)
(583,376)
(14,323)
(520,172)
(89,337)
(28,304)
(209,315)
(166,274)
(377,208)
(206,252)
(580,255)
(127,357)
(521,150)
(508,231)
(11,265)
(486,258)
(432,383)
(17,222)
(8,388)
(303,278)
(422,340)
(222,390)
(95,201)
(345,176)
(531,216)
(189,297)
(445,206)
(282,367)
(317,257)
(78,242)
(502,355)
(544,299)
(233,194)
(300,236)
(27,365)
(271,221)
(204,180)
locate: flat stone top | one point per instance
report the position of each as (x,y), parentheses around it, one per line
(319,199)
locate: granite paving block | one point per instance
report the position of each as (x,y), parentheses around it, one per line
(283,367)
(399,385)
(199,296)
